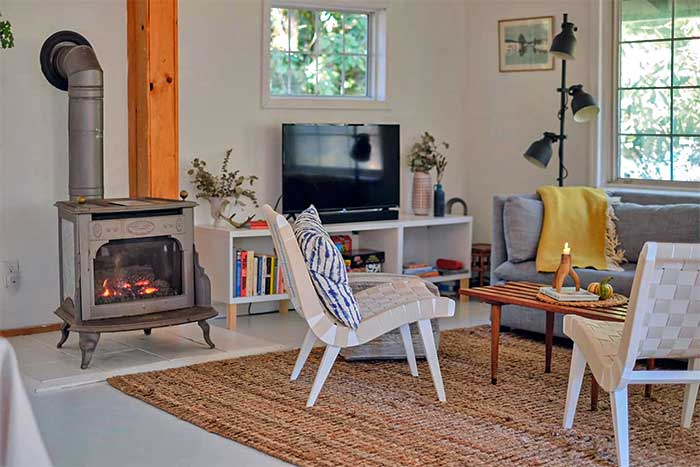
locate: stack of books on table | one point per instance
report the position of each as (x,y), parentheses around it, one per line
(420,270)
(256,275)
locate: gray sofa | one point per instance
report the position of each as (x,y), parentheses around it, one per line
(642,217)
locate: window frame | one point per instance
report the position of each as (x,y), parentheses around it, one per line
(614,168)
(376,57)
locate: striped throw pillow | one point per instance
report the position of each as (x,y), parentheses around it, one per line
(326,268)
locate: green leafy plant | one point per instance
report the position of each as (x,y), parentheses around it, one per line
(228,184)
(426,154)
(7,39)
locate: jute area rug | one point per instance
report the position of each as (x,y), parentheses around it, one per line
(375,413)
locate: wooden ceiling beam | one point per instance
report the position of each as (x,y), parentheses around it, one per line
(152,50)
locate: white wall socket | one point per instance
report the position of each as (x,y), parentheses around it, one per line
(11,273)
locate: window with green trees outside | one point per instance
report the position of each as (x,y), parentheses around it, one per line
(319,53)
(658,126)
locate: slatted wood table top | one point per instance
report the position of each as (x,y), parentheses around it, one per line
(524,294)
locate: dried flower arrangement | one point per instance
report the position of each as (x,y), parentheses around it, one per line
(425,154)
(223,190)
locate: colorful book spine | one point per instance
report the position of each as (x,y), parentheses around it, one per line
(238,274)
(260,276)
(273,275)
(251,273)
(242,288)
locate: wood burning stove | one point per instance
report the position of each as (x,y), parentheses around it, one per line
(128,264)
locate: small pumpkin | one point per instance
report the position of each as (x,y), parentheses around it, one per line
(602,289)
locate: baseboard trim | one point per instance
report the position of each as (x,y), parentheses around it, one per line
(30,330)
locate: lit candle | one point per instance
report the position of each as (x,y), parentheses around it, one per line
(566,250)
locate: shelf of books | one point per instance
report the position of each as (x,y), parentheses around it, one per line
(256,277)
(243,267)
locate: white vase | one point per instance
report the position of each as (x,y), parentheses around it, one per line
(218,207)
(422,189)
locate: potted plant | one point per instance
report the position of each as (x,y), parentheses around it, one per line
(228,189)
(425,154)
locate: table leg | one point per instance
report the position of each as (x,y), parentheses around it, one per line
(651,364)
(463,284)
(495,337)
(231,317)
(548,340)
(595,392)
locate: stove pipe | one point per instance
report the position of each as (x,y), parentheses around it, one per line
(68,62)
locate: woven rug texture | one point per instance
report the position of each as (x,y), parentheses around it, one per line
(376,413)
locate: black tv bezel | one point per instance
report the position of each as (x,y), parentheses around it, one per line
(346,209)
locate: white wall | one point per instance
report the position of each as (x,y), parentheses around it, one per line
(442,77)
(220,102)
(507,111)
(34,150)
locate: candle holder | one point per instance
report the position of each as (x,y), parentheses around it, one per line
(565,269)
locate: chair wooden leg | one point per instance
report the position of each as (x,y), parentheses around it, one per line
(426,334)
(690,395)
(306,346)
(578,368)
(618,402)
(651,364)
(326,364)
(408,347)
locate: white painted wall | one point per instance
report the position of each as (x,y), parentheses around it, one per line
(220,99)
(34,142)
(507,111)
(442,77)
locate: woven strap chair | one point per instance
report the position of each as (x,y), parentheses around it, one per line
(663,321)
(384,307)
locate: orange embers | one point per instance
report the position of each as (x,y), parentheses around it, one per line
(122,288)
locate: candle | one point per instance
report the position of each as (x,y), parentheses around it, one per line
(566,250)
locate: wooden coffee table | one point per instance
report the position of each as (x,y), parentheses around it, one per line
(524,294)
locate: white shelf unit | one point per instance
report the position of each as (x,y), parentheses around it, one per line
(410,238)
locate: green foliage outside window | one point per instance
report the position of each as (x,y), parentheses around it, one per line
(318,53)
(7,39)
(659,90)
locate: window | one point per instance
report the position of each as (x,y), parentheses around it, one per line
(658,87)
(322,53)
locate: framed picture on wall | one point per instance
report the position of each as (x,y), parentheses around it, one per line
(523,44)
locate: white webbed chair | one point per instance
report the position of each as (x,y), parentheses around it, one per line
(663,321)
(384,307)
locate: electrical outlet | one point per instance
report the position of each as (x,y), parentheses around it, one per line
(11,273)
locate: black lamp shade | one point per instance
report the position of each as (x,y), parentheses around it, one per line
(583,105)
(564,43)
(540,152)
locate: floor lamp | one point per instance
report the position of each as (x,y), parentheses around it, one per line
(583,105)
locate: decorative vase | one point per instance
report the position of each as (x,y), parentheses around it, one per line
(422,186)
(439,201)
(218,207)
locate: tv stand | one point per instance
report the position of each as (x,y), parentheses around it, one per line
(339,217)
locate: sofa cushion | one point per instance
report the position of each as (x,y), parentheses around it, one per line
(673,223)
(326,268)
(522,225)
(527,271)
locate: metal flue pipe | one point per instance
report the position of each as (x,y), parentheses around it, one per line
(69,63)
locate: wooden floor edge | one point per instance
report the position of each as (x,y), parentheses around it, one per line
(30,330)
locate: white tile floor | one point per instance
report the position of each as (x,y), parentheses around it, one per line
(85,422)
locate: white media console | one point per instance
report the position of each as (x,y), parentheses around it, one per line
(408,239)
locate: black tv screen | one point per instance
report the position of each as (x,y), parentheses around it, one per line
(336,167)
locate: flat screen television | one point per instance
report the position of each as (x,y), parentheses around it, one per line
(342,168)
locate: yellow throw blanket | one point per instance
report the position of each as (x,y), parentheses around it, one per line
(577,215)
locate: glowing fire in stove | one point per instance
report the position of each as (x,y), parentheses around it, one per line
(121,288)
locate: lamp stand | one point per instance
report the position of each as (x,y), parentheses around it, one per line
(563,91)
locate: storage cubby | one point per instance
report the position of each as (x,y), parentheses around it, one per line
(407,239)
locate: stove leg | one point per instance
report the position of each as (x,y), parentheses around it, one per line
(205,330)
(147,331)
(87,344)
(64,335)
